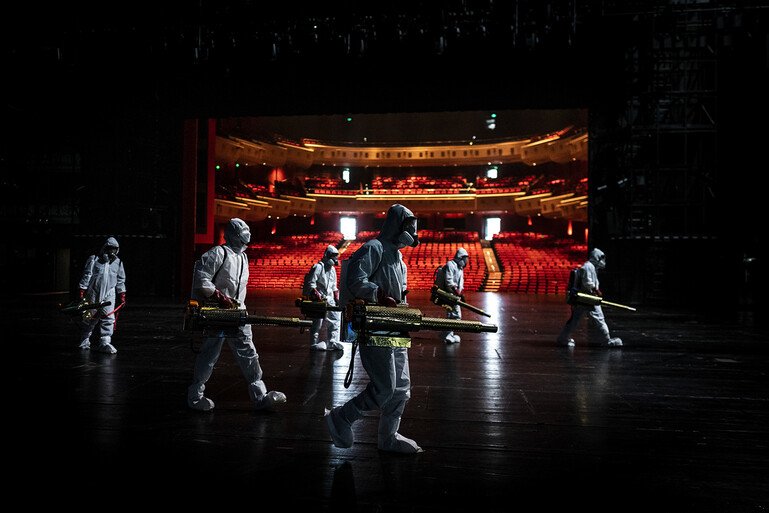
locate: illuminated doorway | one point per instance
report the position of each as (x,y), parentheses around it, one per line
(491,227)
(349,227)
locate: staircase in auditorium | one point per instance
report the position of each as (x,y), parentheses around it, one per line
(493,278)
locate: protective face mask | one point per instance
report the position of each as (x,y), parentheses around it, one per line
(406,239)
(245,236)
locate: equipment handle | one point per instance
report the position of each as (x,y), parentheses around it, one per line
(278,321)
(609,303)
(437,324)
(197,318)
(443,298)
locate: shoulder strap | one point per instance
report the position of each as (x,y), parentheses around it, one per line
(242,267)
(307,276)
(376,268)
(379,264)
(224,247)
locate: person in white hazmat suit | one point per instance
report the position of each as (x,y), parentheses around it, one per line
(588,283)
(451,279)
(376,273)
(320,285)
(103,279)
(222,275)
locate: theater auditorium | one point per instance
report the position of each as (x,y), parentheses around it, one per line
(528,134)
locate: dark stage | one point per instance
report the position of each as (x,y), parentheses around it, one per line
(676,420)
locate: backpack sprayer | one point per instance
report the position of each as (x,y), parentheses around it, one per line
(448,300)
(581,298)
(367,318)
(80,306)
(574,297)
(201,317)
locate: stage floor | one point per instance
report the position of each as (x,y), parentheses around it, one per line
(676,420)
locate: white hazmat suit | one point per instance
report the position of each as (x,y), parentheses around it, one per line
(320,284)
(587,282)
(376,273)
(222,274)
(452,280)
(103,279)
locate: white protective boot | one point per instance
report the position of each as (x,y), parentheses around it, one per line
(339,427)
(105,346)
(271,399)
(202,404)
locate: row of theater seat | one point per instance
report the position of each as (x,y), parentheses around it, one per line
(530,184)
(436,248)
(530,263)
(534,263)
(282,262)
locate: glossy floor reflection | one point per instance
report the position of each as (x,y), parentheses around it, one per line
(677,420)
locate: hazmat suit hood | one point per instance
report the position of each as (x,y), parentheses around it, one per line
(331,256)
(461,257)
(237,234)
(400,227)
(597,258)
(109,249)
